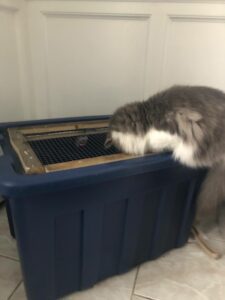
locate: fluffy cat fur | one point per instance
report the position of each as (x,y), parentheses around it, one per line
(189,121)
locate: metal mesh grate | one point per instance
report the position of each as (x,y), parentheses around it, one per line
(63,149)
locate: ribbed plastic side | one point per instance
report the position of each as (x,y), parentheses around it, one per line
(105,240)
(72,239)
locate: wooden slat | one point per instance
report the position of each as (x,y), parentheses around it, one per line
(87,162)
(62,127)
(28,158)
(61,134)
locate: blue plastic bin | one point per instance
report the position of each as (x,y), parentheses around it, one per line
(77,227)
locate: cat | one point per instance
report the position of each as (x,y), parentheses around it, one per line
(189,121)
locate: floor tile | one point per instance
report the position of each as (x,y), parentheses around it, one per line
(7,243)
(115,288)
(19,294)
(183,274)
(10,276)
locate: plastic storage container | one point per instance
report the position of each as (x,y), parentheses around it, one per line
(76,227)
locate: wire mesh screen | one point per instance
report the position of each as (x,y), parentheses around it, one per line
(64,149)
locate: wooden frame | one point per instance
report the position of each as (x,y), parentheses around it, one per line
(20,136)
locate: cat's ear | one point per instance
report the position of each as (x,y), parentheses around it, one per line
(189,124)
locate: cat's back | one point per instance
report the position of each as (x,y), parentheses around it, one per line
(195,97)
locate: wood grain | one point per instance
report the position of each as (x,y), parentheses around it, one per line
(28,158)
(38,129)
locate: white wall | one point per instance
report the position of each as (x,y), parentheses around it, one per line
(14,88)
(70,58)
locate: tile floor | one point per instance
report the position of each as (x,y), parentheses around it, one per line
(181,274)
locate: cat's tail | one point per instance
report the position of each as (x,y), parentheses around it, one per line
(211,197)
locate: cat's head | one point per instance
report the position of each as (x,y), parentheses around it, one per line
(127,128)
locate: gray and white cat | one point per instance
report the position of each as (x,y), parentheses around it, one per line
(189,121)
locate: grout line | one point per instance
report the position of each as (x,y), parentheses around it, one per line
(135,280)
(11,258)
(142,297)
(13,292)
